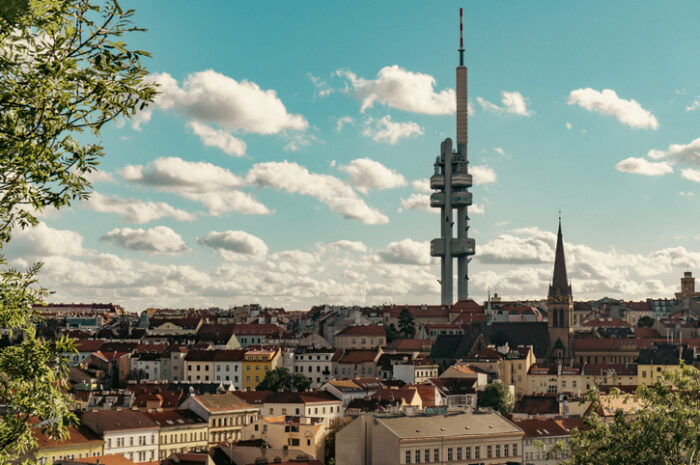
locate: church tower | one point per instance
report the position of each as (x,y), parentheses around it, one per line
(560,306)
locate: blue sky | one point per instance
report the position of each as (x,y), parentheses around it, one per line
(592,108)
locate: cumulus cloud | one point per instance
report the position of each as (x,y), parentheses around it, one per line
(135,210)
(366,174)
(211,185)
(684,154)
(420,202)
(513,102)
(406,252)
(403,90)
(421,185)
(482,174)
(607,102)
(159,240)
(218,138)
(42,241)
(353,246)
(691,174)
(208,96)
(99,176)
(293,178)
(233,245)
(386,130)
(643,166)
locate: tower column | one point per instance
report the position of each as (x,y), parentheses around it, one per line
(447,224)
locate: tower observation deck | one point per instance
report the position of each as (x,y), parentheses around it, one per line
(451,182)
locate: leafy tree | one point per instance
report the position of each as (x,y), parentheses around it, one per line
(665,430)
(407,325)
(497,396)
(64,73)
(645,322)
(392,333)
(280,379)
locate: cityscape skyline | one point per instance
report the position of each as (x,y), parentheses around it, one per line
(332,149)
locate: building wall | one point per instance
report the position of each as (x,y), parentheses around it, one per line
(186,438)
(359,342)
(229,373)
(136,445)
(47,456)
(199,371)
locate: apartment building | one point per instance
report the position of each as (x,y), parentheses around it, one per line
(225,414)
(125,432)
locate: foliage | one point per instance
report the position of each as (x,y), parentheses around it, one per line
(664,431)
(392,333)
(645,322)
(64,73)
(407,325)
(497,396)
(33,372)
(280,379)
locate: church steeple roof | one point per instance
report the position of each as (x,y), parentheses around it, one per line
(560,282)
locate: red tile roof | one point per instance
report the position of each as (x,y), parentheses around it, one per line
(541,428)
(418,311)
(411,344)
(358,356)
(89,345)
(613,323)
(363,330)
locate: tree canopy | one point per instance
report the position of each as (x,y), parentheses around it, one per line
(280,379)
(407,325)
(665,430)
(64,73)
(497,396)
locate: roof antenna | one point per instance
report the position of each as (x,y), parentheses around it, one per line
(461,39)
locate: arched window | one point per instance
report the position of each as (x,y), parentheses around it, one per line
(555,320)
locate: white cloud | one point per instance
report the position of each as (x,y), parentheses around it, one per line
(643,166)
(385,130)
(406,252)
(691,174)
(606,102)
(421,185)
(213,186)
(299,140)
(330,190)
(688,154)
(354,246)
(568,125)
(513,102)
(482,174)
(694,105)
(420,202)
(686,194)
(218,138)
(43,241)
(159,240)
(99,176)
(135,210)
(477,209)
(322,88)
(366,174)
(403,90)
(208,96)
(342,121)
(233,245)
(499,151)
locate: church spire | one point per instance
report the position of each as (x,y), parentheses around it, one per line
(560,288)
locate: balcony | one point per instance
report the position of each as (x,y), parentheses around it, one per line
(437,199)
(461,199)
(437,181)
(461,180)
(437,247)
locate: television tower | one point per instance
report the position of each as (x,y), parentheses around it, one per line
(451,182)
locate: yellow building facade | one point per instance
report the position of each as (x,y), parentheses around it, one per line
(256,364)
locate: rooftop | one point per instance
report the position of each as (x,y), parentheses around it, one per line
(461,424)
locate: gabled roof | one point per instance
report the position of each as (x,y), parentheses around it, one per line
(455,386)
(363,330)
(89,345)
(117,420)
(411,344)
(172,417)
(236,355)
(358,356)
(201,356)
(223,402)
(541,428)
(537,405)
(76,436)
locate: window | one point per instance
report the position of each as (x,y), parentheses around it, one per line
(468,452)
(109,442)
(515,449)
(417,455)
(477,452)
(436,455)
(505,450)
(449,454)
(308,442)
(427,455)
(408,456)
(563,384)
(488,452)
(459,453)
(498,450)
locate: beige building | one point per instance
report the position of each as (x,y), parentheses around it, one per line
(361,337)
(461,438)
(280,432)
(80,443)
(199,366)
(180,431)
(225,414)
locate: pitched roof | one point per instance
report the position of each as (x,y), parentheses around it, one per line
(76,436)
(363,330)
(201,356)
(612,323)
(89,345)
(358,356)
(444,426)
(257,329)
(455,386)
(541,428)
(560,282)
(537,405)
(229,355)
(411,344)
(116,420)
(172,417)
(222,402)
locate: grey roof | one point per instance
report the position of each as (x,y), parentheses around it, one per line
(460,424)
